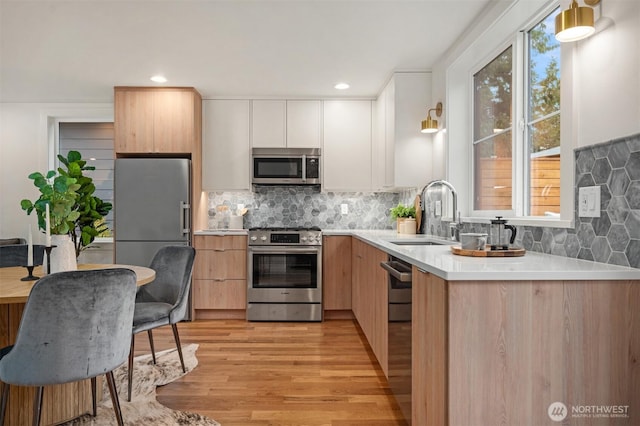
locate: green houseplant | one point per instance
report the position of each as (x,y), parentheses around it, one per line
(91,210)
(74,210)
(401,211)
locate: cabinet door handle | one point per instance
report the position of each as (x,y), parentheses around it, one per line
(218,279)
(219,250)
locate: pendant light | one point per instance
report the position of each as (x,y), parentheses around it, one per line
(429,125)
(576,22)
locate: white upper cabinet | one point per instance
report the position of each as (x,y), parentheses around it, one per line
(304,124)
(226,146)
(292,124)
(268,124)
(347,145)
(402,157)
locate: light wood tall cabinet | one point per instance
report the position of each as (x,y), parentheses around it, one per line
(220,277)
(336,274)
(157,120)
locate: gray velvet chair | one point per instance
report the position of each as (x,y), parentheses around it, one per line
(11,241)
(76,325)
(16,255)
(165,300)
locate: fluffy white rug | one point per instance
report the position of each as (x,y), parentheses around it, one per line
(143,408)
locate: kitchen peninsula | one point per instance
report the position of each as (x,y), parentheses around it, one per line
(498,340)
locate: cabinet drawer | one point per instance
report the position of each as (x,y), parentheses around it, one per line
(223,264)
(220,242)
(222,294)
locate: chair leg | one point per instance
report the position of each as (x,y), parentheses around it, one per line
(4,391)
(114,397)
(153,349)
(130,371)
(94,404)
(176,337)
(37,406)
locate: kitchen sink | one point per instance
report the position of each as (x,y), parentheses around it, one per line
(416,243)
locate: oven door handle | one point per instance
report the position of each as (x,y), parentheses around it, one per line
(280,250)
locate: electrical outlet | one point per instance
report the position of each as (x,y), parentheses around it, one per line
(344,208)
(589,201)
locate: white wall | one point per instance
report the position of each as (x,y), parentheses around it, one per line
(607,68)
(26,146)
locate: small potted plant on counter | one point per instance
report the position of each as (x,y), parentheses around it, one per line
(405,218)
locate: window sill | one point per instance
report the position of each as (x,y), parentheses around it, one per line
(526,221)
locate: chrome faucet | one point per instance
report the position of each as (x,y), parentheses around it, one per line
(455,225)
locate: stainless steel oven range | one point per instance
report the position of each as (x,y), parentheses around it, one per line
(284,276)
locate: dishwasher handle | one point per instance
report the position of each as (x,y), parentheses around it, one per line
(397,270)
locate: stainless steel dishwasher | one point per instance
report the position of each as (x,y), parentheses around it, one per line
(399,338)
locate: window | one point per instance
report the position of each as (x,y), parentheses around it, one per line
(492,134)
(95,142)
(517,168)
(542,126)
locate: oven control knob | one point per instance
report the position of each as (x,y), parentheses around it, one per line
(263,238)
(304,238)
(254,238)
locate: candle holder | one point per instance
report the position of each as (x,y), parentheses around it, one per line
(47,250)
(29,277)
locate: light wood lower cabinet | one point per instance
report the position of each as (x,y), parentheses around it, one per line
(369,299)
(501,352)
(220,277)
(336,273)
(429,402)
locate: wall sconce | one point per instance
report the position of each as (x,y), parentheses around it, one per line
(576,22)
(429,125)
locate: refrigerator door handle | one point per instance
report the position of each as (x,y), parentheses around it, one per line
(185,222)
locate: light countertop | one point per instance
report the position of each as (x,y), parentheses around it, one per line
(221,232)
(438,260)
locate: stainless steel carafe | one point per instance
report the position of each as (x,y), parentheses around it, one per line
(501,235)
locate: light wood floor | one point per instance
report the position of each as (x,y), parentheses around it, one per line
(279,374)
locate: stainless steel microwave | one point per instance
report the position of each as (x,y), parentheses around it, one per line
(285,166)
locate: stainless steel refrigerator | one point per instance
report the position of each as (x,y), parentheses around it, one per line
(151,207)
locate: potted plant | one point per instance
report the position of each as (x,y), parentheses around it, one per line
(400,213)
(74,211)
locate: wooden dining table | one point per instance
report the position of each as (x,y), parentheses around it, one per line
(60,402)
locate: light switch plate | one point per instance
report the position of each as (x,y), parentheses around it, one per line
(437,211)
(589,201)
(344,208)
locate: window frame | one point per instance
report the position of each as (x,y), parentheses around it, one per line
(520,101)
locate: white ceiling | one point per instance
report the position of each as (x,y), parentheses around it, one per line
(76,51)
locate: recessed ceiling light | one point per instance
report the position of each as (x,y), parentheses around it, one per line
(158,79)
(341,86)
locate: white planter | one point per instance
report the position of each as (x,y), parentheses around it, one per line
(63,254)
